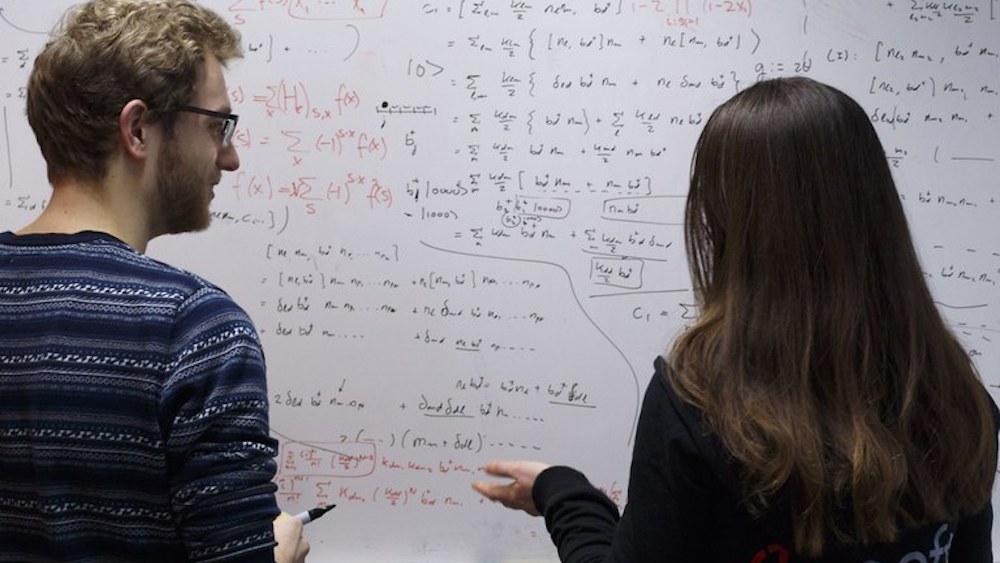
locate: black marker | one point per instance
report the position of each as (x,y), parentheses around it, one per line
(314,513)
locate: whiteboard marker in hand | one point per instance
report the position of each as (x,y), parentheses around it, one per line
(314,513)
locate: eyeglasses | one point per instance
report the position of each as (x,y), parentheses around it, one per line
(229,121)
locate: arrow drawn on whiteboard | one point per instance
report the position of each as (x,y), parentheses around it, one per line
(357,40)
(309,444)
(21,29)
(572,290)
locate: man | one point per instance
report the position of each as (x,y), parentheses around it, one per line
(133,404)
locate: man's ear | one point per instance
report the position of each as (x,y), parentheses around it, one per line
(134,129)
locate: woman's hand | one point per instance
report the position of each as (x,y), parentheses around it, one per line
(517,493)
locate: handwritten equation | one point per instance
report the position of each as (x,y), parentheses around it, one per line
(459,223)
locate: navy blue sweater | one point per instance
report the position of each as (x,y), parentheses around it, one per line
(133,410)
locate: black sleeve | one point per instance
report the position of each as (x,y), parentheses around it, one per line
(666,514)
(973,540)
(580,518)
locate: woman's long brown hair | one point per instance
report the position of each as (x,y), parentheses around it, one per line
(819,357)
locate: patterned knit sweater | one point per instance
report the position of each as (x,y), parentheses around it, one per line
(133,410)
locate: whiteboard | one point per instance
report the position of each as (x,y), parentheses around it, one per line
(457,223)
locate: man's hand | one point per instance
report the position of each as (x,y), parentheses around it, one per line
(292,547)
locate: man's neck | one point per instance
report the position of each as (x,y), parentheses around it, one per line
(77,206)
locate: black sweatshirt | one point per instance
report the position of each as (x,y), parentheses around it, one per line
(684,505)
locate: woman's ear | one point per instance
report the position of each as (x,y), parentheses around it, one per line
(133,128)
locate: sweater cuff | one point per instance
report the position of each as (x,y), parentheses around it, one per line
(553,480)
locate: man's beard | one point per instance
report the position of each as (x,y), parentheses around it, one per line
(181,191)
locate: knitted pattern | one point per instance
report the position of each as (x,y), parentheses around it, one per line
(133,410)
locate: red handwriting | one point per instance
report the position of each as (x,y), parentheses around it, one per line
(341,142)
(314,191)
(310,9)
(358,143)
(306,490)
(679,13)
(328,459)
(285,99)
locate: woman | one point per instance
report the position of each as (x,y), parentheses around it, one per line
(818,409)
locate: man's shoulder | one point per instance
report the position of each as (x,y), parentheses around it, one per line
(97,263)
(98,258)
(163,276)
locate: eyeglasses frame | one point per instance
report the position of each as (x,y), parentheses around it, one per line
(230,119)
